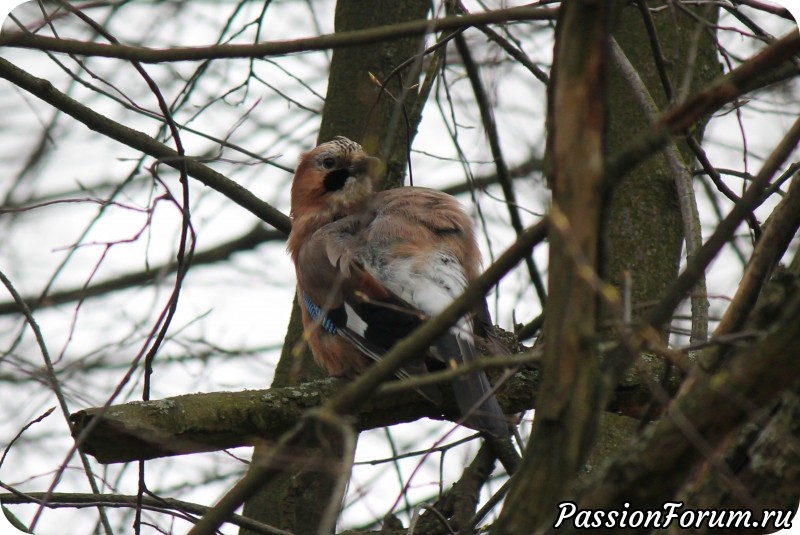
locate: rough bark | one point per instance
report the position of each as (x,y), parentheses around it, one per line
(690,433)
(642,230)
(195,423)
(567,413)
(764,456)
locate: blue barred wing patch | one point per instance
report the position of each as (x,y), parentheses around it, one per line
(318,315)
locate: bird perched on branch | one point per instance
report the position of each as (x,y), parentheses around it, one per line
(371,266)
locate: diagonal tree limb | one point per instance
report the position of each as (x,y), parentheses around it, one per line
(734,392)
(420,340)
(45,91)
(781,228)
(746,77)
(255,236)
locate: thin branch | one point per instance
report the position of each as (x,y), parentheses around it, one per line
(257,235)
(492,134)
(748,76)
(662,312)
(52,379)
(79,500)
(781,228)
(44,90)
(655,47)
(297,450)
(769,8)
(511,50)
(525,169)
(275,48)
(690,216)
(716,178)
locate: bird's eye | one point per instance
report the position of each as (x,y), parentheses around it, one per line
(329,162)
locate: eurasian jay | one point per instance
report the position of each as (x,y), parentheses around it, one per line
(371,266)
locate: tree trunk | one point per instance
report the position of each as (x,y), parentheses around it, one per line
(296,500)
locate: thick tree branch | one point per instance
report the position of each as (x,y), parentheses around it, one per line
(275,48)
(195,423)
(189,424)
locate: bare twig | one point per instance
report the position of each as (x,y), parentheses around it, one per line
(59,393)
(723,188)
(492,134)
(725,230)
(257,235)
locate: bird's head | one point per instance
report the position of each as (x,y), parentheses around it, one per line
(332,179)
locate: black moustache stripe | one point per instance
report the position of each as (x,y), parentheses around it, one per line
(335,180)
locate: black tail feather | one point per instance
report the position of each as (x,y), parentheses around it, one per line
(473,392)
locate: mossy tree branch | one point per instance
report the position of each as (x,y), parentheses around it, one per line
(195,423)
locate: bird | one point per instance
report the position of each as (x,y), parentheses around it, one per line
(373,265)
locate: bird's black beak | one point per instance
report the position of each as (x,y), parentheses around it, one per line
(368,165)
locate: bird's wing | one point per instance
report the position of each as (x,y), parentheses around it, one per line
(360,308)
(381,272)
(420,245)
